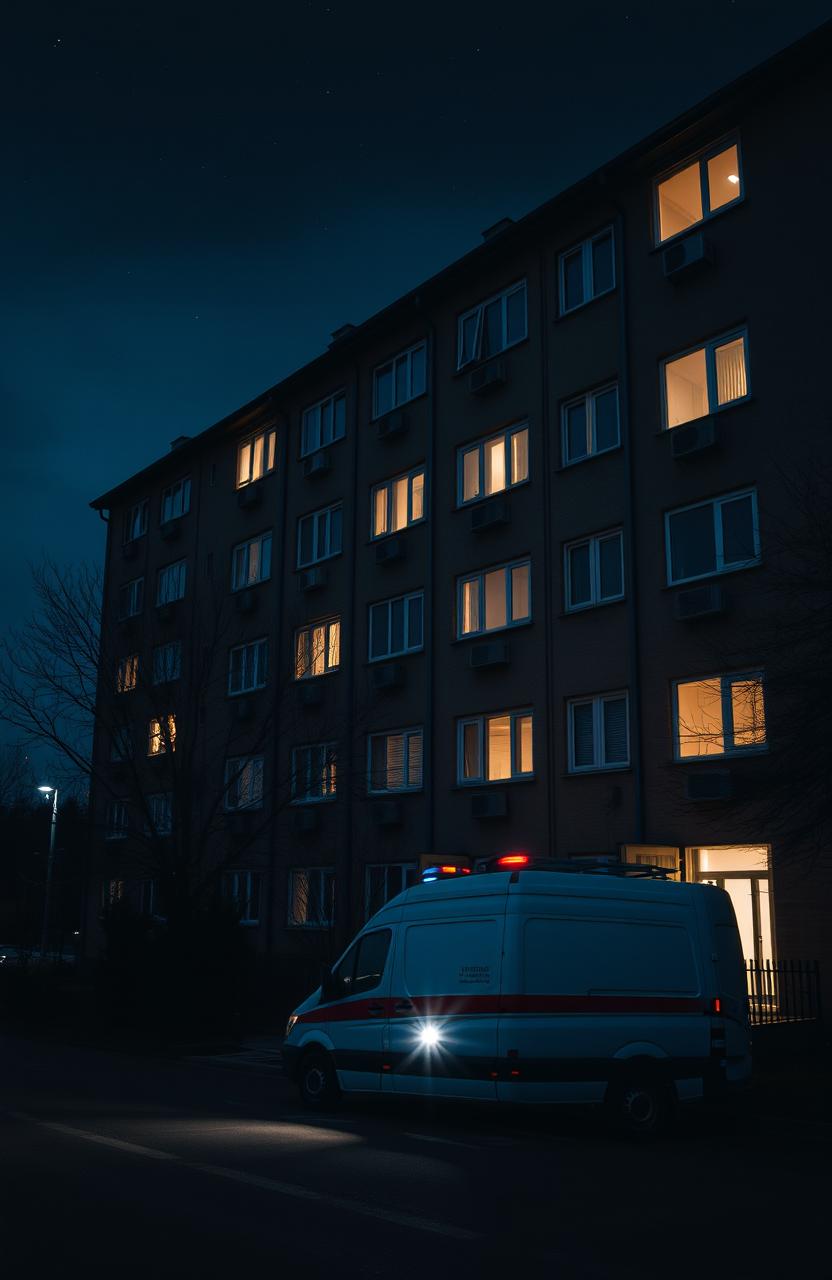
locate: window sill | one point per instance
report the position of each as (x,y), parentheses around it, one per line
(717,412)
(494,355)
(374,540)
(487,497)
(592,608)
(590,457)
(597,771)
(401,791)
(707,221)
(395,657)
(748,753)
(302,802)
(473,636)
(301,457)
(478,784)
(566,315)
(393,407)
(684,583)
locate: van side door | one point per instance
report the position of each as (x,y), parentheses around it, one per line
(356,1008)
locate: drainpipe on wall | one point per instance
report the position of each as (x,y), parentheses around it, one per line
(427,620)
(548,612)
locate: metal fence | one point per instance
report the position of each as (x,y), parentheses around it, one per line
(783,991)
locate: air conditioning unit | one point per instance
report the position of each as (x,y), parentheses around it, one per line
(486,515)
(389,550)
(306,820)
(693,438)
(491,653)
(250,495)
(699,602)
(386,813)
(390,675)
(489,804)
(392,424)
(488,377)
(245,601)
(129,549)
(312,579)
(170,530)
(311,691)
(692,252)
(715,784)
(316,464)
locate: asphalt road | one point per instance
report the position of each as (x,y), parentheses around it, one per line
(117,1164)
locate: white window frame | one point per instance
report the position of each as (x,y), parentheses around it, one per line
(404,870)
(170,579)
(594,543)
(244,889)
(710,347)
(235,770)
(117,822)
(135,521)
(262,539)
(481,445)
(596,701)
(479,576)
(701,158)
(416,731)
(323,514)
(387,485)
(323,896)
(588,401)
(481,722)
(406,355)
(313,427)
(165,671)
(127,673)
(255,656)
(160,804)
(309,630)
(268,456)
(725,684)
(134,597)
(388,605)
(176,501)
(585,247)
(720,566)
(303,773)
(479,311)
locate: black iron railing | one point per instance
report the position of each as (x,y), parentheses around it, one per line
(783,991)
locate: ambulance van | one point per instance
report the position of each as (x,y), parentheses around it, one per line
(532,983)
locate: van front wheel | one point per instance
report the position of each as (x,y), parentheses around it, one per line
(317,1081)
(639,1107)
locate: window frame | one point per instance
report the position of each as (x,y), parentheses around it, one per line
(316,516)
(330,765)
(593,541)
(589,294)
(406,599)
(588,400)
(410,476)
(727,708)
(253,893)
(700,157)
(168,497)
(135,588)
(325,896)
(481,722)
(597,700)
(162,735)
(480,445)
(479,576)
(709,347)
(305,448)
(501,296)
(269,438)
(127,673)
(413,731)
(117,830)
(261,647)
(308,629)
(142,508)
(233,771)
(715,503)
(407,354)
(246,543)
(153,827)
(404,867)
(169,646)
(164,574)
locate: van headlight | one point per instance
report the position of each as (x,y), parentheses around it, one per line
(293,1017)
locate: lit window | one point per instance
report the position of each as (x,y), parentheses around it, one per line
(323,423)
(712,537)
(112,892)
(398,503)
(243,783)
(251,562)
(396,626)
(495,748)
(318,649)
(492,465)
(494,599)
(700,188)
(131,598)
(255,457)
(167,662)
(599,733)
(312,897)
(594,570)
(176,500)
(314,772)
(161,735)
(396,761)
(492,326)
(242,890)
(135,521)
(118,821)
(385,881)
(590,425)
(248,666)
(400,380)
(319,535)
(586,271)
(170,582)
(705,380)
(720,716)
(127,674)
(160,813)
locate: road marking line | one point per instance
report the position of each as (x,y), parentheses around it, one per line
(446,1142)
(132,1147)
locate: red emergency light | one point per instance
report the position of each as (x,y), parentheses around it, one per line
(513,860)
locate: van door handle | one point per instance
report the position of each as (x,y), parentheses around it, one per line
(375,1008)
(401,1006)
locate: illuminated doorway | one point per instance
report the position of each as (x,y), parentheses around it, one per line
(744,872)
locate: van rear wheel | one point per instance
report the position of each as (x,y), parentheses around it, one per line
(640,1107)
(317,1081)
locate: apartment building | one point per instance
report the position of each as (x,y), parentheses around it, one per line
(468,582)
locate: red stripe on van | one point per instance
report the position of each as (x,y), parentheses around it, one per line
(444,1006)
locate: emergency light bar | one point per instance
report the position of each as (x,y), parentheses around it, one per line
(444,871)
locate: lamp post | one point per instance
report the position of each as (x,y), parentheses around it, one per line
(44,932)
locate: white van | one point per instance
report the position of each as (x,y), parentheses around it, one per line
(531,983)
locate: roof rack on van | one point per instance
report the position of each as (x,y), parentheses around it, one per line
(586,866)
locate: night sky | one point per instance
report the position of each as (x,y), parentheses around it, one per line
(196,196)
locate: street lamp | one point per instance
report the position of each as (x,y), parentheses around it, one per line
(44,932)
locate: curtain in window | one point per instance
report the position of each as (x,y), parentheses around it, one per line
(519,456)
(730,371)
(414,760)
(470,606)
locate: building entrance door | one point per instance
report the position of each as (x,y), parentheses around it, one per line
(743,871)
